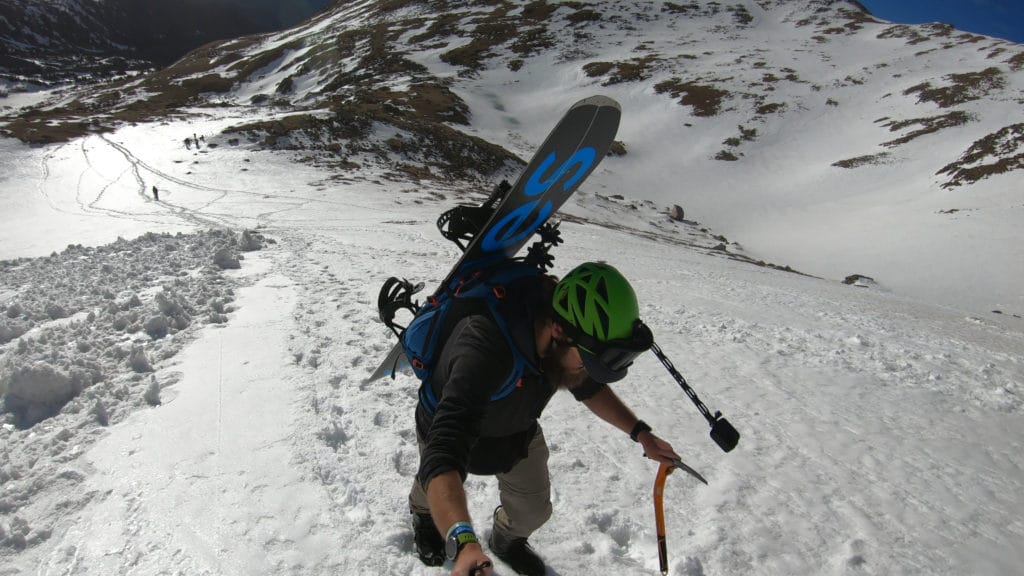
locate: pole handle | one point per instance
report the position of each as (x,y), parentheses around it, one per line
(724,434)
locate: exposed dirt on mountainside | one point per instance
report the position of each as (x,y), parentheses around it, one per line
(367,63)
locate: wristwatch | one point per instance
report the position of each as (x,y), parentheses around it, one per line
(639,429)
(460,534)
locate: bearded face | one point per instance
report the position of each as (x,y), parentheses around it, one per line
(563,364)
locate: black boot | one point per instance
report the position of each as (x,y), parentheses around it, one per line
(429,544)
(518,554)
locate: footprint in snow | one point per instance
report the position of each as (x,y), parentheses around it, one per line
(856,549)
(689,566)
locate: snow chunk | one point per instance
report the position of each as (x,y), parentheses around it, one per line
(152,395)
(15,310)
(139,361)
(226,259)
(157,327)
(36,392)
(250,241)
(10,330)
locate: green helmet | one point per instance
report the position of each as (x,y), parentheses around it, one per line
(597,300)
(598,309)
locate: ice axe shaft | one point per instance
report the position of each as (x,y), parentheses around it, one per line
(659,505)
(659,515)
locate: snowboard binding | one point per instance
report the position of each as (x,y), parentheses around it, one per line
(396,295)
(463,223)
(539,253)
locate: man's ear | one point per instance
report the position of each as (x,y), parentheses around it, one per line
(558,331)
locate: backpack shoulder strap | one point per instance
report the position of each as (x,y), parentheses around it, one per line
(481,290)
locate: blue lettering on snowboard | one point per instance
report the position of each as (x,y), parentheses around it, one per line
(511,229)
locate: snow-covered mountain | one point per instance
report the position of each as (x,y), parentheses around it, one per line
(184,396)
(809,131)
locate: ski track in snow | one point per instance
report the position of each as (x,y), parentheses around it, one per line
(880,435)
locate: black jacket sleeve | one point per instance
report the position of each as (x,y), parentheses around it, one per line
(474,362)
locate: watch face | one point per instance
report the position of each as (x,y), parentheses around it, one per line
(456,541)
(451,547)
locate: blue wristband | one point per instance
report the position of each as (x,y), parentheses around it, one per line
(459,528)
(459,535)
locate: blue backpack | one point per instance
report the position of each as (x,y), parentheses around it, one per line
(421,340)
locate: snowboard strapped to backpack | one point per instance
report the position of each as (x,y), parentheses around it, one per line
(480,289)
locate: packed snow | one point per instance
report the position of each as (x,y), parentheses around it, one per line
(190,419)
(183,378)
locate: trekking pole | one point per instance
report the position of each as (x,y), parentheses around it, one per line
(659,508)
(721,431)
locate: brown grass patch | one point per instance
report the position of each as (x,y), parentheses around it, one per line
(583,15)
(997,153)
(770,108)
(41,131)
(879,158)
(963,88)
(928,125)
(740,15)
(1017,62)
(705,100)
(488,34)
(532,41)
(538,11)
(693,8)
(904,31)
(633,70)
(245,68)
(273,133)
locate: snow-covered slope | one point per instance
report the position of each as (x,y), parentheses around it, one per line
(173,416)
(880,434)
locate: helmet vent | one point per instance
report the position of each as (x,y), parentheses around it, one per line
(602,288)
(581,297)
(604,325)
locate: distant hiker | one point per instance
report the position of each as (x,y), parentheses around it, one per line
(188,143)
(580,333)
(156,194)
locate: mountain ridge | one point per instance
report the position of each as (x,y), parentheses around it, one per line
(56,42)
(383,39)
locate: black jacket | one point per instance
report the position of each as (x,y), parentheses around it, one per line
(469,432)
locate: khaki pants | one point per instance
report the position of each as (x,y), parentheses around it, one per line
(525,493)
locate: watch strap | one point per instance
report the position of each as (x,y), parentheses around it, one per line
(458,528)
(466,538)
(458,536)
(639,429)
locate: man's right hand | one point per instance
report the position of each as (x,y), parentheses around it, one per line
(472,561)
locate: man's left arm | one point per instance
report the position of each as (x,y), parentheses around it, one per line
(607,405)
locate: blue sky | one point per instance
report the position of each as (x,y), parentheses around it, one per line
(999,18)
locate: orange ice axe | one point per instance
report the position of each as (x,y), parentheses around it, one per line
(659,509)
